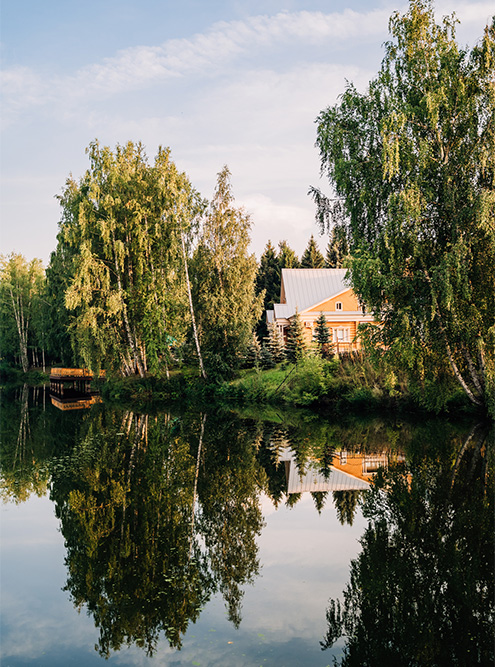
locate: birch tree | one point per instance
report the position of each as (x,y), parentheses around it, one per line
(227,307)
(21,284)
(124,221)
(412,164)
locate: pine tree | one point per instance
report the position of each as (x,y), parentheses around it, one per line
(296,342)
(312,257)
(322,337)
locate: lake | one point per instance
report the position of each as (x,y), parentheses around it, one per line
(214,537)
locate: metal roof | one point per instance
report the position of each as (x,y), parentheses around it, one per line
(307,287)
(312,481)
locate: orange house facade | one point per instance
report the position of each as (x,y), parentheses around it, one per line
(311,292)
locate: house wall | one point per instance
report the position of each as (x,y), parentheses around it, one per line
(353,343)
(348,300)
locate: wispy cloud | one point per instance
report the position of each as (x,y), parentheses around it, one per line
(207,54)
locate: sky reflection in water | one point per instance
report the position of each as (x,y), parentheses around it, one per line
(271,567)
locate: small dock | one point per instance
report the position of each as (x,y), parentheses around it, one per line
(70,380)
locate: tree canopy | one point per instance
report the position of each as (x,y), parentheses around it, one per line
(21,288)
(226,305)
(121,228)
(312,257)
(412,164)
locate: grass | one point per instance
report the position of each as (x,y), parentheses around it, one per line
(350,383)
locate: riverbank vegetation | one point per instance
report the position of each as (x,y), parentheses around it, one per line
(156,285)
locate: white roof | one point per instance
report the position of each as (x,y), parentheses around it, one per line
(312,480)
(304,288)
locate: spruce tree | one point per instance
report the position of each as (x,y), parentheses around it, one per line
(337,248)
(268,276)
(266,357)
(275,342)
(322,337)
(312,257)
(253,354)
(296,342)
(287,258)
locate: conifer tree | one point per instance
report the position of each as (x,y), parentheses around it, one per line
(337,248)
(312,257)
(266,358)
(322,337)
(275,342)
(268,277)
(287,258)
(253,354)
(296,342)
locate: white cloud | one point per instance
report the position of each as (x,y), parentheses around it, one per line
(207,53)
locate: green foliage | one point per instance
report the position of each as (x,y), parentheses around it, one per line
(312,257)
(309,382)
(287,258)
(337,248)
(268,277)
(323,337)
(22,325)
(266,357)
(253,353)
(412,161)
(275,343)
(119,252)
(223,283)
(296,342)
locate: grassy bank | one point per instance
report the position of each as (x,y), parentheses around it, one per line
(350,383)
(10,375)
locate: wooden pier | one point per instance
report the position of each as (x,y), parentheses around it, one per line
(68,380)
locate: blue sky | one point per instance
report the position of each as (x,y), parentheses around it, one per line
(236,83)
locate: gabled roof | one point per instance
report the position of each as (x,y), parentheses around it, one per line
(303,288)
(312,480)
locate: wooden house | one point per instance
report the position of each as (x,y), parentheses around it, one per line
(314,291)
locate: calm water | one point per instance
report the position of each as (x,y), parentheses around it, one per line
(211,538)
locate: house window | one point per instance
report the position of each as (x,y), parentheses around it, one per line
(338,305)
(340,335)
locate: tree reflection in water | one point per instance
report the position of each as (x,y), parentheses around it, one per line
(422,590)
(159,514)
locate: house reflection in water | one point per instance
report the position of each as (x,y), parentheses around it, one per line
(350,471)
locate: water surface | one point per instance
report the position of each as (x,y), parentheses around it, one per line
(209,538)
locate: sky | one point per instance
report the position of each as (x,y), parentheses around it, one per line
(237,83)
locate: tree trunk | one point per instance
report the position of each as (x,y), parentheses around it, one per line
(195,333)
(132,343)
